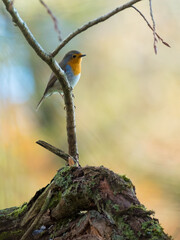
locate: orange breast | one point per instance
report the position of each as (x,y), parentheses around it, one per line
(75,65)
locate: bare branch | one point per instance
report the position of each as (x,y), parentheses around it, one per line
(54,20)
(154,27)
(25,30)
(61,76)
(70,114)
(149,25)
(92,23)
(54,150)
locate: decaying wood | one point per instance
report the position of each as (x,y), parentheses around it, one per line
(82,203)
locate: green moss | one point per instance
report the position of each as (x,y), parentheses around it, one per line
(90,187)
(10,235)
(120,184)
(61,224)
(116,207)
(127,232)
(81,220)
(55,200)
(4,235)
(126,179)
(64,177)
(7,211)
(139,210)
(152,229)
(18,211)
(116,236)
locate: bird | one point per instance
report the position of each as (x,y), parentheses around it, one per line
(71,65)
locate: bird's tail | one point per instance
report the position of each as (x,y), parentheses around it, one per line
(40,102)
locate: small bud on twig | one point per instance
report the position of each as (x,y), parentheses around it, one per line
(11,4)
(149,25)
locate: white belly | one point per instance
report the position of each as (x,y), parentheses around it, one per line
(75,80)
(57,88)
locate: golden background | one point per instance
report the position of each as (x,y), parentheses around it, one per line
(127,101)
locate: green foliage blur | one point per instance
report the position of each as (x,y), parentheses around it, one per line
(127,101)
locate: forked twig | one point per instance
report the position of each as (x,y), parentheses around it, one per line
(53,18)
(149,25)
(92,23)
(48,58)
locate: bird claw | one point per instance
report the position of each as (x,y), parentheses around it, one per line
(62,95)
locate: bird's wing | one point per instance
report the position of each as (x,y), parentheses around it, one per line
(51,82)
(53,78)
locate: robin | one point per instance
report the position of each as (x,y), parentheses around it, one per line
(71,65)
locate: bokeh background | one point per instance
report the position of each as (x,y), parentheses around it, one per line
(127,101)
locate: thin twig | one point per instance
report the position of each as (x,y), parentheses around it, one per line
(154,26)
(149,25)
(54,150)
(53,18)
(92,23)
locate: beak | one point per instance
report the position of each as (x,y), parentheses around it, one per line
(83,55)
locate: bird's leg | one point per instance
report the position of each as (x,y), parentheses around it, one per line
(71,89)
(62,95)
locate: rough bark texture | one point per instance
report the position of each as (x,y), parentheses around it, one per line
(82,203)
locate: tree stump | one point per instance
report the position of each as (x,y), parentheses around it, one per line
(91,203)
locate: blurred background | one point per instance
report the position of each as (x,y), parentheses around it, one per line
(127,101)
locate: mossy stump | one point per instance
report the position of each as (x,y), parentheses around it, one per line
(91,203)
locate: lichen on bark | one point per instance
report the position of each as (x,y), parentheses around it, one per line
(85,203)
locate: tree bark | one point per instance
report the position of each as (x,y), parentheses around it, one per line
(82,203)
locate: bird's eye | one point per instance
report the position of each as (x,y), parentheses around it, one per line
(74,56)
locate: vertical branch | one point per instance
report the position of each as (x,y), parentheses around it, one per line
(154,26)
(71,126)
(70,114)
